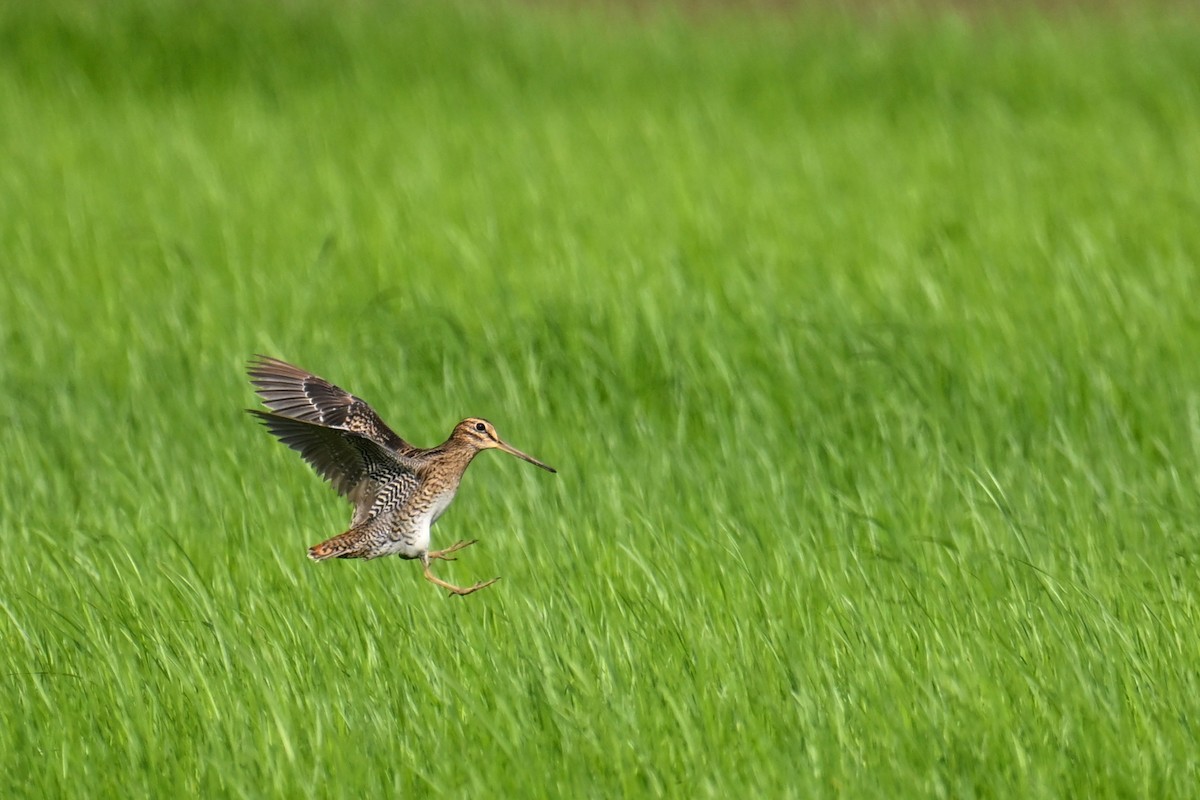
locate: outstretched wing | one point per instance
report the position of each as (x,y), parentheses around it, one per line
(354,465)
(298,394)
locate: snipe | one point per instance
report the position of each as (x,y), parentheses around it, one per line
(398,491)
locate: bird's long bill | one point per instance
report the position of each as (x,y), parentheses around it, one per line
(508,448)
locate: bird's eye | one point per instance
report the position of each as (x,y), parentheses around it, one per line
(479,426)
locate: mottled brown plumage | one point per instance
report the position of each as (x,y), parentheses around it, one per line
(398,491)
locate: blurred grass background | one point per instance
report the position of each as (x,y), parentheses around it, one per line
(864,344)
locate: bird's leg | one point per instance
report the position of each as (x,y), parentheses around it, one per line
(442,554)
(429,576)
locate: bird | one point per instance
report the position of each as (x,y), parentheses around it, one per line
(398,491)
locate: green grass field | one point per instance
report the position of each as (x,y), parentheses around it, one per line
(867,349)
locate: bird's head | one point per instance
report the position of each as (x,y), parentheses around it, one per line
(481,435)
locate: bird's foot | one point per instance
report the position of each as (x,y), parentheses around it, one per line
(460,591)
(456,590)
(443,554)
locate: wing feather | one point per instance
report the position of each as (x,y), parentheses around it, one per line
(297,394)
(354,465)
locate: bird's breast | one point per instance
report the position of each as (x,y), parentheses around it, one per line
(440,503)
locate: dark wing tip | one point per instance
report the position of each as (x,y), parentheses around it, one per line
(261,366)
(259,360)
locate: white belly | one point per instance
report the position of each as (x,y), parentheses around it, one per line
(416,544)
(420,539)
(439,507)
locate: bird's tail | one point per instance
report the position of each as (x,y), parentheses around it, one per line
(345,545)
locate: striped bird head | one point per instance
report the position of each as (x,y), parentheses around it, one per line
(481,435)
